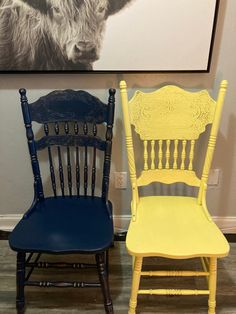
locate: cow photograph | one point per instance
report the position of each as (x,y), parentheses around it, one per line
(51,35)
(106,35)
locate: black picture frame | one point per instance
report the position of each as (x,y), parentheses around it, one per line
(116,44)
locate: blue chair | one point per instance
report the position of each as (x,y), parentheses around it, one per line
(77,216)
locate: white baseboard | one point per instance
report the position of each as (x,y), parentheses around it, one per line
(8,222)
(121,222)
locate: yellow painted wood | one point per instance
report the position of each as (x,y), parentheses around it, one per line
(167,154)
(212,286)
(152,154)
(173,227)
(174,217)
(191,155)
(171,113)
(174,273)
(212,139)
(145,155)
(168,176)
(135,284)
(129,147)
(174,292)
(183,155)
(175,166)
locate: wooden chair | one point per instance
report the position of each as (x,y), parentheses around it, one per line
(77,218)
(168,122)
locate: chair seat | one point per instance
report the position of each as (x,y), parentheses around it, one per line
(65,225)
(174,227)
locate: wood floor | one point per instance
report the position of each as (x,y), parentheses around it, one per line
(66,301)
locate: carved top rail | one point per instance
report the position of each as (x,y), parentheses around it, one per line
(171,113)
(82,107)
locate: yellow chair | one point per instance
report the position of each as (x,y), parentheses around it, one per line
(169,122)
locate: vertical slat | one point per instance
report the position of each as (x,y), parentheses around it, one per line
(160,154)
(152,154)
(175,154)
(51,167)
(61,174)
(183,154)
(85,162)
(77,165)
(167,154)
(191,154)
(69,174)
(145,155)
(94,162)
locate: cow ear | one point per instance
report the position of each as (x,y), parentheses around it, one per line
(115,6)
(40,5)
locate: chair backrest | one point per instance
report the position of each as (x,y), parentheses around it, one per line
(71,121)
(169,121)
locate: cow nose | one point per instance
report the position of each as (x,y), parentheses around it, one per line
(84,46)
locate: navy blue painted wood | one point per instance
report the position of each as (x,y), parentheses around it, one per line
(72,220)
(65,225)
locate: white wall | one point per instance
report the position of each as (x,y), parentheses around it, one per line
(15,170)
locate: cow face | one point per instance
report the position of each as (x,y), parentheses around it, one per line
(76,26)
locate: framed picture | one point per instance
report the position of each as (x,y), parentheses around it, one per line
(107,35)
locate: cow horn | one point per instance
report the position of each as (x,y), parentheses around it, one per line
(40,5)
(115,6)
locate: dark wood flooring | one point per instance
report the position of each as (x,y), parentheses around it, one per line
(66,301)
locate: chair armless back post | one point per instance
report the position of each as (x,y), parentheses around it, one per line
(38,187)
(109,135)
(212,141)
(130,149)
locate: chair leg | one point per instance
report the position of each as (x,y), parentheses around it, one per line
(107,262)
(212,286)
(103,277)
(20,278)
(135,284)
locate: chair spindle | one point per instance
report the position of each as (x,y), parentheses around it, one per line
(152,154)
(176,142)
(145,152)
(51,167)
(77,164)
(167,154)
(61,173)
(94,162)
(191,155)
(183,155)
(69,174)
(85,128)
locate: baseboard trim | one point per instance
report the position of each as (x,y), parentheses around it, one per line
(121,222)
(8,222)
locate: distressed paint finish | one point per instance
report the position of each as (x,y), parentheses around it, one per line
(174,227)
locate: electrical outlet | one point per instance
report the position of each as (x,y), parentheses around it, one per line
(120,180)
(213,178)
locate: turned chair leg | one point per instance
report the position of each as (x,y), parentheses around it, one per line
(135,284)
(103,277)
(20,282)
(212,286)
(107,262)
